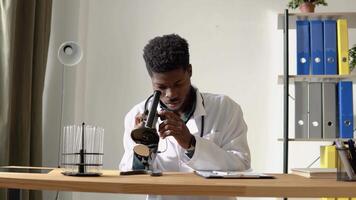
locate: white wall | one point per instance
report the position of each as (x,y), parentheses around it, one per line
(235,49)
(69,21)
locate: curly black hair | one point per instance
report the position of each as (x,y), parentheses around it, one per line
(166,53)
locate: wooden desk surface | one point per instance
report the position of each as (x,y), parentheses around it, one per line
(174,183)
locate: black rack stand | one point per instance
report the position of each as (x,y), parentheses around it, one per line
(82,163)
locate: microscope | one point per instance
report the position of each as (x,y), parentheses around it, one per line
(146,136)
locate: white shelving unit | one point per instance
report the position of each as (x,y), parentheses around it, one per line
(287,21)
(349,16)
(317,78)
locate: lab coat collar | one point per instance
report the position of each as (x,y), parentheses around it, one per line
(199,109)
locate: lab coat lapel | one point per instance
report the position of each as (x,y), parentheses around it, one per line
(199,111)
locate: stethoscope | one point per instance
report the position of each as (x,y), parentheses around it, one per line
(190,115)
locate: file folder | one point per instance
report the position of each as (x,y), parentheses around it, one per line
(346,120)
(315,173)
(232,174)
(315,108)
(301,110)
(330,50)
(343,47)
(329,104)
(316,47)
(303,47)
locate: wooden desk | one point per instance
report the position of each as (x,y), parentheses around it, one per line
(284,185)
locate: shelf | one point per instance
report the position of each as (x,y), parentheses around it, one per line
(349,16)
(317,78)
(312,139)
(292,18)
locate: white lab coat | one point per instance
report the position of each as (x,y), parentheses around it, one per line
(222,147)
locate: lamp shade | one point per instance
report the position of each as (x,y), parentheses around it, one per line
(69,53)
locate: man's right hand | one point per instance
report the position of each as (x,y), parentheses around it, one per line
(139,119)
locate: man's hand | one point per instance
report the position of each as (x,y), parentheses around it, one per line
(139,120)
(173,125)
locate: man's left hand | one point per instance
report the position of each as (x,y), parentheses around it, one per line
(173,125)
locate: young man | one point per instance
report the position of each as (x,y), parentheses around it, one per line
(198,131)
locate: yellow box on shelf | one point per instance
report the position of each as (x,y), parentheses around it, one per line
(328,159)
(328,156)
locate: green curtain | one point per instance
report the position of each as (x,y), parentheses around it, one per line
(24,39)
